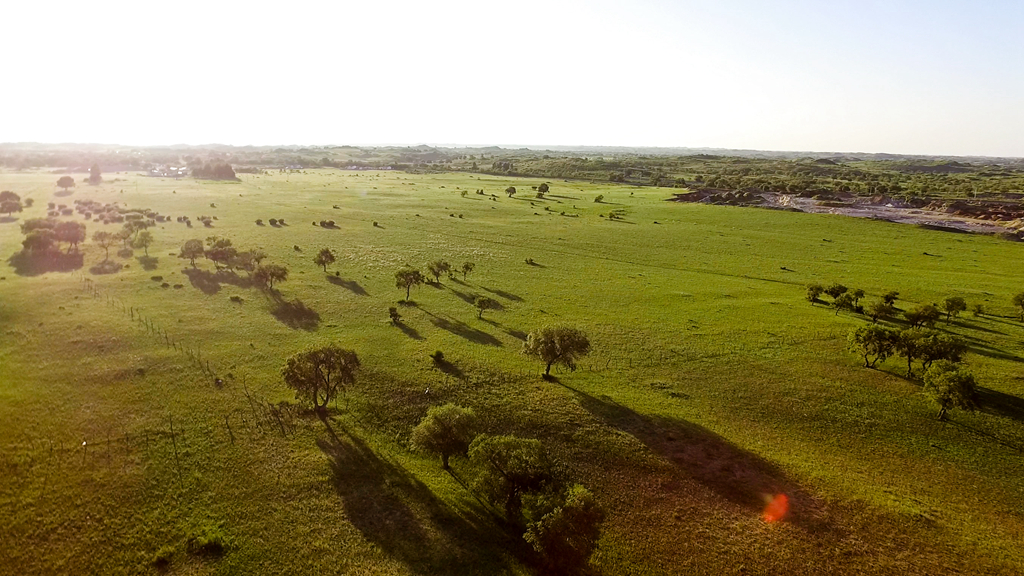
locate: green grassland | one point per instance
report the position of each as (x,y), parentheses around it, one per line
(712,383)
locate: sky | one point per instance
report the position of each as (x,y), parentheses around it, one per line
(900,76)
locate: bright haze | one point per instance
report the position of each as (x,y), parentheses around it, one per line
(915,77)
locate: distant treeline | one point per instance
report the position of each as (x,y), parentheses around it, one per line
(214,172)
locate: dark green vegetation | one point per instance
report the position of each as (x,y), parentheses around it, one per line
(146,425)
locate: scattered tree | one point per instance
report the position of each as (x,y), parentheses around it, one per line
(104,239)
(953,306)
(39,240)
(9,207)
(1018,301)
(857,295)
(843,301)
(874,343)
(599,198)
(220,251)
(70,232)
(543,188)
(567,532)
(144,240)
(890,297)
(266,275)
(509,468)
(467,267)
(557,345)
(511,191)
(317,374)
(924,315)
(880,309)
(8,196)
(836,290)
(66,182)
(951,386)
(484,303)
(445,431)
(937,346)
(191,250)
(95,177)
(396,318)
(438,267)
(814,291)
(324,257)
(407,278)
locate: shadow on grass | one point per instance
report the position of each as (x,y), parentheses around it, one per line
(517,334)
(8,219)
(106,267)
(967,326)
(148,262)
(1001,404)
(63,193)
(295,314)
(503,294)
(210,282)
(350,285)
(449,368)
(408,330)
(396,512)
(729,471)
(33,264)
(464,330)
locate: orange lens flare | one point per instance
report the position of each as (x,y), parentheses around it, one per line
(777,508)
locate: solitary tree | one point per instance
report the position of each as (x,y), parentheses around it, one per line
(144,240)
(567,533)
(484,303)
(317,374)
(557,345)
(874,343)
(509,468)
(66,182)
(951,386)
(191,250)
(407,278)
(103,239)
(267,274)
(1018,301)
(445,431)
(543,188)
(324,257)
(511,191)
(438,267)
(467,267)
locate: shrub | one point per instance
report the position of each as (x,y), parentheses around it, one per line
(599,198)
(813,292)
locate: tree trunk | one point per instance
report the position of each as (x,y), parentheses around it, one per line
(444,461)
(942,413)
(547,371)
(407,288)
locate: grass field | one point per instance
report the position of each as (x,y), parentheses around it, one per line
(712,383)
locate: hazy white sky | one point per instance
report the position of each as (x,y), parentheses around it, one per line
(922,76)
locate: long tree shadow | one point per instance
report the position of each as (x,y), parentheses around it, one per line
(210,282)
(395,511)
(729,471)
(33,264)
(503,294)
(409,330)
(295,314)
(517,334)
(350,285)
(460,328)
(967,326)
(106,267)
(1001,404)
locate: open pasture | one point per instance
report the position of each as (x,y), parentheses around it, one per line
(171,444)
